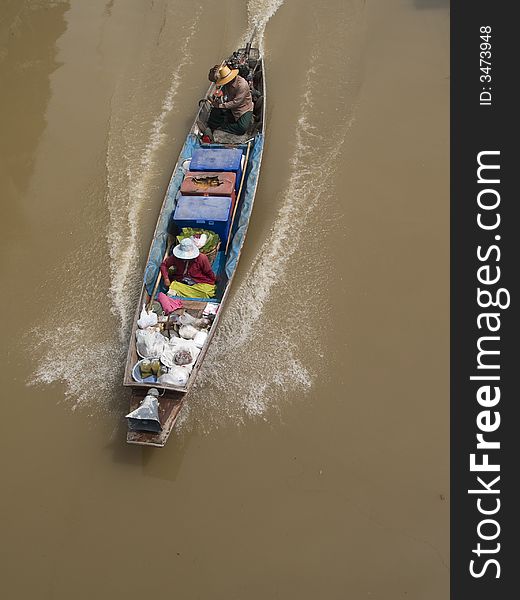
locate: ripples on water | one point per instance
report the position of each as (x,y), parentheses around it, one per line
(89,359)
(255,358)
(259,12)
(129,179)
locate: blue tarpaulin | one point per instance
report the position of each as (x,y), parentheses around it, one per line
(160,240)
(248,196)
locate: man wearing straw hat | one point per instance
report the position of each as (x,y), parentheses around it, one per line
(236,113)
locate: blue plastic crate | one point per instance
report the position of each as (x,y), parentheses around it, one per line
(204,212)
(218,159)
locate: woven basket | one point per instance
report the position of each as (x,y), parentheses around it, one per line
(211,255)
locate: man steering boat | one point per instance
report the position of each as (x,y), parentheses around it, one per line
(235,113)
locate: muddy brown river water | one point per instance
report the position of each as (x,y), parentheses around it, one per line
(312,459)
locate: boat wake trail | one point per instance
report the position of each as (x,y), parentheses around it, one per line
(82,349)
(129,190)
(86,365)
(266,343)
(259,12)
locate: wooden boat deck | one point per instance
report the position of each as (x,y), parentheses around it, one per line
(169,408)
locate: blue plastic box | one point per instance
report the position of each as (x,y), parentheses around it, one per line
(204,212)
(218,159)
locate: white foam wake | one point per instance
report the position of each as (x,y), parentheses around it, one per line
(261,351)
(75,356)
(259,12)
(80,348)
(128,193)
(258,353)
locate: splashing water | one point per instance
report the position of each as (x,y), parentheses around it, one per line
(88,359)
(264,352)
(128,192)
(259,12)
(76,357)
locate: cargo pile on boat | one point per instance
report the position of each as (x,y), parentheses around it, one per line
(208,192)
(209,199)
(169,338)
(169,344)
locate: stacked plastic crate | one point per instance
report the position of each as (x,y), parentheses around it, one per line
(208,191)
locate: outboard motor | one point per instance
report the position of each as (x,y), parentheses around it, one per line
(146,416)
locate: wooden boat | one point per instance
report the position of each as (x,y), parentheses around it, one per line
(171,398)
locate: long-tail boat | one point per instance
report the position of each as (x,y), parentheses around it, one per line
(150,424)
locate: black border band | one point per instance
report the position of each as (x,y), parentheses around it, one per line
(484,356)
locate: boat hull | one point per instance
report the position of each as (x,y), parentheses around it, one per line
(172,400)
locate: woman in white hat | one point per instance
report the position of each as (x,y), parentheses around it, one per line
(187,272)
(236,113)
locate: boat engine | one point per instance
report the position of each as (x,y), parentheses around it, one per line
(146,416)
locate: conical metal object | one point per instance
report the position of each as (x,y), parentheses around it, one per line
(146,416)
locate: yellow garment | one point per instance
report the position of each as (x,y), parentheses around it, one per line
(199,290)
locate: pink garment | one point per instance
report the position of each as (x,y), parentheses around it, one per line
(168,304)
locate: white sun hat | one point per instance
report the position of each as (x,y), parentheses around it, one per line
(186,249)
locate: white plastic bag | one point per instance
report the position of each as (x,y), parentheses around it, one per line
(175,344)
(200,339)
(149,343)
(211,309)
(188,332)
(177,376)
(146,319)
(200,241)
(186,319)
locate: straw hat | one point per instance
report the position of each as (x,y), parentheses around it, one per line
(186,249)
(225,75)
